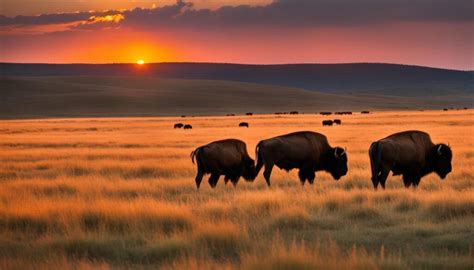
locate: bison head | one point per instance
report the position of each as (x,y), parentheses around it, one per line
(249,173)
(337,162)
(442,160)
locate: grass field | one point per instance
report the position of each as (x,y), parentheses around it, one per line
(120,193)
(81,96)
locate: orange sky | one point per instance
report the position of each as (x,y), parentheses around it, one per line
(121,37)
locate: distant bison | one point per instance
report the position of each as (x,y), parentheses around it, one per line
(337,121)
(364,112)
(244,124)
(227,157)
(411,154)
(307,151)
(293,112)
(249,114)
(325,113)
(327,122)
(188,127)
(178,125)
(445,109)
(230,114)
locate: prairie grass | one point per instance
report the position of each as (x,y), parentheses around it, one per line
(119,193)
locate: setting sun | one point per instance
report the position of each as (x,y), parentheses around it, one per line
(140,62)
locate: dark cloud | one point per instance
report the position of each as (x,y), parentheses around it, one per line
(279,13)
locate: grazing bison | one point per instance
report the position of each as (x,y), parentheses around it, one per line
(293,112)
(307,151)
(325,113)
(188,126)
(337,121)
(249,114)
(411,154)
(178,125)
(327,122)
(364,112)
(227,157)
(244,124)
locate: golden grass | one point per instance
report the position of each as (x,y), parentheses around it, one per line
(120,193)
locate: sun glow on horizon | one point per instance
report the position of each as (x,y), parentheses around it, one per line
(141,62)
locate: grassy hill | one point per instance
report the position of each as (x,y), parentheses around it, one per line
(82,96)
(373,79)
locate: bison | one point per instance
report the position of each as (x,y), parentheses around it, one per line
(243,124)
(411,154)
(188,126)
(305,150)
(325,113)
(365,112)
(178,125)
(227,157)
(249,114)
(337,121)
(327,122)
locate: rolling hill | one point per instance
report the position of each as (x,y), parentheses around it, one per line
(372,79)
(87,96)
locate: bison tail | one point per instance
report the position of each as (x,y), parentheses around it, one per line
(258,157)
(375,157)
(194,153)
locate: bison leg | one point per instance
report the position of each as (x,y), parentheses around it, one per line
(226,179)
(310,176)
(380,178)
(268,172)
(302,176)
(416,181)
(198,178)
(407,180)
(383,178)
(235,180)
(214,179)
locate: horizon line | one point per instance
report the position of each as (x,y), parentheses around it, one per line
(242,64)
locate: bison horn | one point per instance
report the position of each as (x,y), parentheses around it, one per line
(439,150)
(343,152)
(335,152)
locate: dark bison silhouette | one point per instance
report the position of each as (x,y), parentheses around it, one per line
(327,122)
(305,150)
(325,113)
(364,112)
(178,125)
(293,112)
(249,114)
(337,121)
(227,157)
(411,154)
(244,124)
(188,126)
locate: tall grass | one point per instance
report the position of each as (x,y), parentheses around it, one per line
(120,193)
